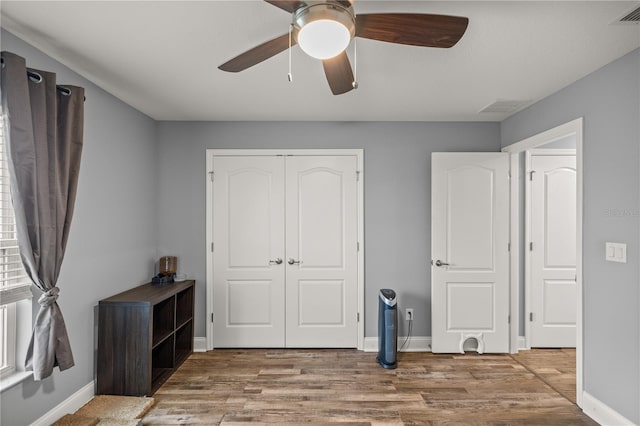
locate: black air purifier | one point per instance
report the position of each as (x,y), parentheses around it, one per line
(387,329)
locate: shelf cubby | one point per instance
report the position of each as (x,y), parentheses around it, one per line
(163,320)
(184,341)
(184,306)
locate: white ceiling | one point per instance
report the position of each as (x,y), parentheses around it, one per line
(161,57)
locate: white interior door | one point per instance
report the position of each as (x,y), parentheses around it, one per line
(248,229)
(321,245)
(553,251)
(469,246)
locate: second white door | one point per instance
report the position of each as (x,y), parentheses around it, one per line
(553,251)
(285,258)
(321,245)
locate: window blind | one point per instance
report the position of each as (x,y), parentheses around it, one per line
(15,285)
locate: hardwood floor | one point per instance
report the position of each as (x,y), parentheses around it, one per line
(556,367)
(347,386)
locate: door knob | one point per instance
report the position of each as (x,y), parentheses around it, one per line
(278,261)
(293,262)
(441,263)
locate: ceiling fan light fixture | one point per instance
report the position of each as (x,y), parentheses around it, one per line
(324,30)
(324,38)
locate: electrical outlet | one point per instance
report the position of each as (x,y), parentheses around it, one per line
(408,314)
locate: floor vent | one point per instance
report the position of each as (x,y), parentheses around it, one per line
(503,106)
(632,17)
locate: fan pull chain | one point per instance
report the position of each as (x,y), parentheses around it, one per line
(289,75)
(355,64)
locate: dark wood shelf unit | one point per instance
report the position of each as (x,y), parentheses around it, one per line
(144,335)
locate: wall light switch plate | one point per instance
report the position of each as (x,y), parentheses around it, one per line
(616,252)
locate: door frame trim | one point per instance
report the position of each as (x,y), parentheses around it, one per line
(211,153)
(574,127)
(528,287)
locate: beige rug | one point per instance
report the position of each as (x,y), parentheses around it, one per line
(109,410)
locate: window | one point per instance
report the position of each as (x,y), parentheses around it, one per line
(15,286)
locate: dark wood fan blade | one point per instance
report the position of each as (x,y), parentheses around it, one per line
(412,28)
(288,5)
(258,54)
(339,73)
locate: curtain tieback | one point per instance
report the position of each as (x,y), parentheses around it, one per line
(49,297)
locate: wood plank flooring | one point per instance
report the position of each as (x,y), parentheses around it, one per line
(556,367)
(347,386)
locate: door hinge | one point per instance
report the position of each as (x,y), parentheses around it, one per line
(357,175)
(531,174)
(509,319)
(358,317)
(531,246)
(213,317)
(508,246)
(530,316)
(211,175)
(358,245)
(211,247)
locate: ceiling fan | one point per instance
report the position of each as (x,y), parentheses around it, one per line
(324,29)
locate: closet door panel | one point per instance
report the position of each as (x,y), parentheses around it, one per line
(321,247)
(248,209)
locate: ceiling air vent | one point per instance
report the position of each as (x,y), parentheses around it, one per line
(633,17)
(503,106)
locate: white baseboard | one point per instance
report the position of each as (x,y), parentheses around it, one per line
(68,406)
(601,412)
(522,344)
(199,344)
(415,344)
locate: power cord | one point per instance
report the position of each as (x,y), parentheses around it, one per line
(409,331)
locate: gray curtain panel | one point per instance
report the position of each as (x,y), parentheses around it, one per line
(44,125)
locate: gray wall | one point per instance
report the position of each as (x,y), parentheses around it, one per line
(112,242)
(397,201)
(609,101)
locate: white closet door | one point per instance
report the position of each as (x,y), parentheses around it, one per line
(248,211)
(321,246)
(469,247)
(553,258)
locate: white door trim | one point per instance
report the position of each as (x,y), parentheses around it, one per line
(211,153)
(571,128)
(550,152)
(514,260)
